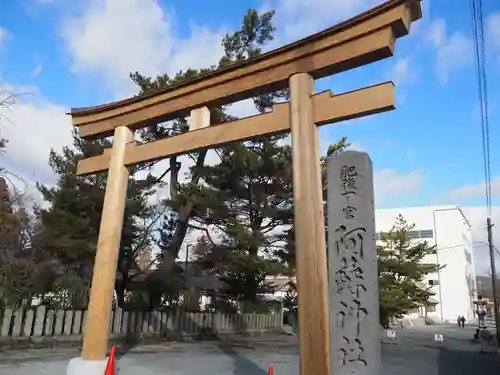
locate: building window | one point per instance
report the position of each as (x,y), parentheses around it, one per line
(431,308)
(428,233)
(433,282)
(412,234)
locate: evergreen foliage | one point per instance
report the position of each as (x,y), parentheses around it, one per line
(71,222)
(402,273)
(245,43)
(244,196)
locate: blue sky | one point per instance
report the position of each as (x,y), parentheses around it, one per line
(73,53)
(434,131)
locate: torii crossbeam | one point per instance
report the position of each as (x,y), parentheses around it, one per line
(359,41)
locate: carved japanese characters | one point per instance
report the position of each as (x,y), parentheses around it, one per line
(355,343)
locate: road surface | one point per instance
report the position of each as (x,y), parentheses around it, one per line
(413,353)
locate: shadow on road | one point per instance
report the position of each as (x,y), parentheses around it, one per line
(129,343)
(467,362)
(242,365)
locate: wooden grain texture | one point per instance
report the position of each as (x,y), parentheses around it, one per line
(309,228)
(95,340)
(327,109)
(199,118)
(359,41)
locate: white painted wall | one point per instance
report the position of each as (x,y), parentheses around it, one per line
(451,233)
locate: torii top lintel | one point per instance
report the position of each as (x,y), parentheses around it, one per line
(361,40)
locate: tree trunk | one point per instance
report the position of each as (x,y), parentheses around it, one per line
(120,293)
(251,279)
(172,252)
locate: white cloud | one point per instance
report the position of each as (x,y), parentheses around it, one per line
(356,146)
(403,72)
(297,19)
(493,30)
(243,108)
(390,183)
(37,70)
(94,39)
(476,190)
(33,126)
(493,34)
(109,39)
(453,52)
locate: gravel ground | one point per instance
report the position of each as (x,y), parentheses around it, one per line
(413,353)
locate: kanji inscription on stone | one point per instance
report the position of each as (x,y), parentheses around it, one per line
(352,266)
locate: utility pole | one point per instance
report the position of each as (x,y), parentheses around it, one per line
(494,281)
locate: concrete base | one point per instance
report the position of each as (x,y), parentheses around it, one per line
(80,366)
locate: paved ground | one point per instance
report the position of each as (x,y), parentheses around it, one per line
(414,353)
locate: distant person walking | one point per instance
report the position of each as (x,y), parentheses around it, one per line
(462,321)
(459,321)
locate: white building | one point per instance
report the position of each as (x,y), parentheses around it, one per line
(447,228)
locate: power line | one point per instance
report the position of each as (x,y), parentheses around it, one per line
(476,7)
(482,81)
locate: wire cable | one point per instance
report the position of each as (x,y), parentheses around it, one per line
(477,18)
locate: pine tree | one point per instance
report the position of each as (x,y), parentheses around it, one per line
(70,226)
(245,43)
(247,197)
(401,271)
(247,194)
(287,253)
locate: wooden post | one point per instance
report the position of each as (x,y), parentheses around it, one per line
(95,339)
(199,118)
(310,242)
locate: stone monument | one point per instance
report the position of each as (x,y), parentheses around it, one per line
(352,266)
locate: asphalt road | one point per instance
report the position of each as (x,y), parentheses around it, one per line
(413,353)
(416,352)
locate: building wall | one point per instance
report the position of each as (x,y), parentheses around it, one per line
(446,228)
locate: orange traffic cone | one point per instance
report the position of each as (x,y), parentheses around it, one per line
(270,371)
(110,366)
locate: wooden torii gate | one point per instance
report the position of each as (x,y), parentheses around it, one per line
(359,41)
